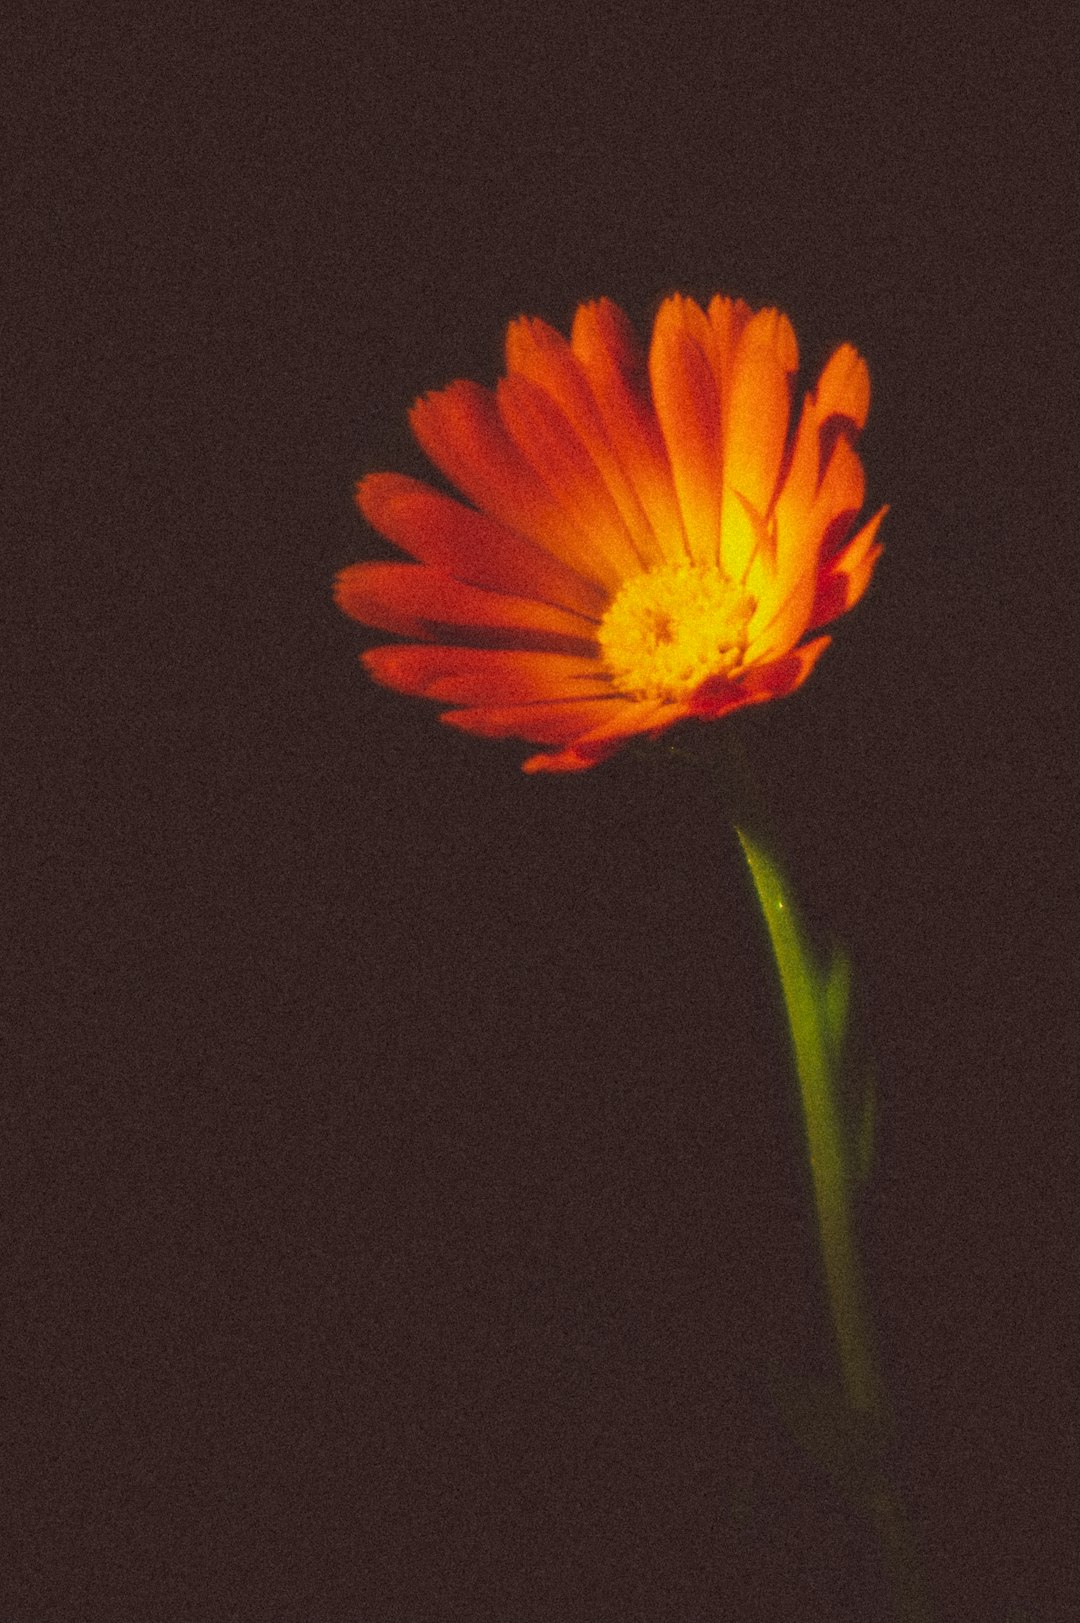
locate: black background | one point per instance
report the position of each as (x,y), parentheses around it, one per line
(404,1173)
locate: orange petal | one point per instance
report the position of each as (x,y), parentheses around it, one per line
(462,432)
(720,695)
(843,389)
(605,346)
(758,544)
(470,545)
(546,723)
(416,601)
(839,403)
(547,441)
(775,632)
(756,423)
(798,486)
(541,355)
(486,676)
(595,746)
(842,488)
(800,534)
(563,761)
(687,399)
(728,319)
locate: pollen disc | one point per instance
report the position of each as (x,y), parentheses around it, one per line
(670,628)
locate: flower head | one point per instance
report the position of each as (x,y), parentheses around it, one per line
(647,542)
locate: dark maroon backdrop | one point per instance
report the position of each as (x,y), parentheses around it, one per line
(404,1174)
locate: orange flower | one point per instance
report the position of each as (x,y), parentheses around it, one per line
(647,543)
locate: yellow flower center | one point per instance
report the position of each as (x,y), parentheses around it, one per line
(670,628)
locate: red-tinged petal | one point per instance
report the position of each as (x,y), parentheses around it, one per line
(551,722)
(604,344)
(472,546)
(841,585)
(859,577)
(862,543)
(800,536)
(596,746)
(550,445)
(839,404)
(486,676)
(416,601)
(564,761)
(463,433)
(756,423)
(688,406)
(842,488)
(543,357)
(721,695)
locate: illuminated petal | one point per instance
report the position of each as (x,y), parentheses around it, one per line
(541,355)
(547,441)
(416,601)
(748,538)
(843,389)
(688,405)
(798,488)
(839,404)
(470,545)
(756,427)
(775,632)
(800,537)
(463,433)
(603,343)
(486,676)
(728,319)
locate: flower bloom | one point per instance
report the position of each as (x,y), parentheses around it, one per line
(648,542)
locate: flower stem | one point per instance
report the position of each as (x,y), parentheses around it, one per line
(799,985)
(818,1053)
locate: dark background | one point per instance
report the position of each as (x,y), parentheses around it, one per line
(405,1182)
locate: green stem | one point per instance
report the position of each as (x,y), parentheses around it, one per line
(816,1063)
(828,1162)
